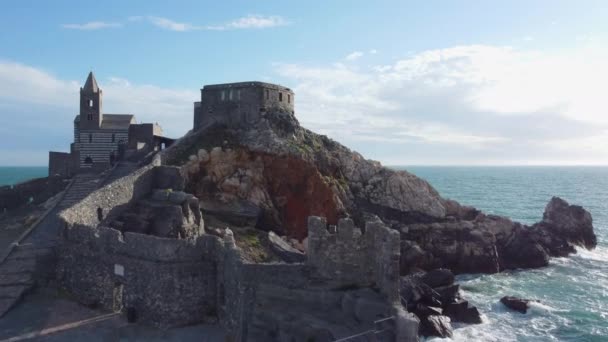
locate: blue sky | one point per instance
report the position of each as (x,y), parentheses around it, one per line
(433,82)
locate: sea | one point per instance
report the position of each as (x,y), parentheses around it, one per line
(573,291)
(11,175)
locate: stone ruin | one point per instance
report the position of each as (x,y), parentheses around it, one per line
(118,252)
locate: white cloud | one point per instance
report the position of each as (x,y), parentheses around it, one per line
(488,100)
(171,25)
(373,51)
(247,22)
(254,22)
(92,25)
(354,56)
(28,86)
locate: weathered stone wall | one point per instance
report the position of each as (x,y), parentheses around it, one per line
(240,104)
(60,164)
(113,198)
(35,191)
(351,258)
(169,282)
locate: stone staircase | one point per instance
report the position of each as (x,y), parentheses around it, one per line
(31,259)
(83,185)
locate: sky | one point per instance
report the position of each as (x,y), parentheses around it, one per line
(403,82)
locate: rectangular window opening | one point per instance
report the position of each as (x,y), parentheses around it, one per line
(288,98)
(90,103)
(280,97)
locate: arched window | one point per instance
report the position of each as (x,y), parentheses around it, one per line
(90,137)
(280,97)
(88,160)
(90,103)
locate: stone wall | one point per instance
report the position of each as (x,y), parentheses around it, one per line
(240,104)
(346,255)
(169,282)
(113,198)
(61,164)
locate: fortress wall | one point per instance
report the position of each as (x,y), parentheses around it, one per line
(351,258)
(168,282)
(240,104)
(117,196)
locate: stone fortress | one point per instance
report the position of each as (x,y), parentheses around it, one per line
(100,139)
(240,104)
(140,244)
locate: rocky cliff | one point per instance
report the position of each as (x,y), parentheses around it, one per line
(275,174)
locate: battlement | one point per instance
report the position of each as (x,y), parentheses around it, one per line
(344,254)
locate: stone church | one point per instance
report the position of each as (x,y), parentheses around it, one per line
(100,139)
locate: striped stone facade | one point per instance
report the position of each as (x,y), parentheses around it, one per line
(97,146)
(97,136)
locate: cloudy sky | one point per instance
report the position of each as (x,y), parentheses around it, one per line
(406,83)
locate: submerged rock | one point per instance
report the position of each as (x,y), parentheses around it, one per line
(517,304)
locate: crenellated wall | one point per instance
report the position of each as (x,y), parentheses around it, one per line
(346,255)
(169,282)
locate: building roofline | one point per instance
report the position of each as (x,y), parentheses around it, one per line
(246,85)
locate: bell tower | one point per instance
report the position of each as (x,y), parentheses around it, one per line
(90,104)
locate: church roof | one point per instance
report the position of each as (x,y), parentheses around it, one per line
(91,84)
(117,121)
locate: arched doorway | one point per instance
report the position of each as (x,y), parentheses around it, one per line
(88,160)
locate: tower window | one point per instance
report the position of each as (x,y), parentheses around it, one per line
(280,97)
(90,138)
(90,103)
(238,94)
(267,94)
(223,95)
(113,137)
(230,95)
(288,98)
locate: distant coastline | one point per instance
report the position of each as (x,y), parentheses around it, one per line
(11,175)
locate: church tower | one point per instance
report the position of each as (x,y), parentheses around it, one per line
(90,104)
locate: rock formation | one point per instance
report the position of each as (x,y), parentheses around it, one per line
(275,174)
(517,304)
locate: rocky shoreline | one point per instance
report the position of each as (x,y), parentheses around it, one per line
(275,174)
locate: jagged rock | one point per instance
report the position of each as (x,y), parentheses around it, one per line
(517,304)
(449,293)
(423,311)
(414,291)
(160,194)
(283,249)
(462,311)
(564,226)
(438,277)
(436,326)
(178,197)
(291,173)
(239,213)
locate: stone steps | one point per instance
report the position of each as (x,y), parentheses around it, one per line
(33,257)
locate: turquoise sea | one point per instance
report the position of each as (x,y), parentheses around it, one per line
(11,175)
(573,292)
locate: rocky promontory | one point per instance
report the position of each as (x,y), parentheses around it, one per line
(275,173)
